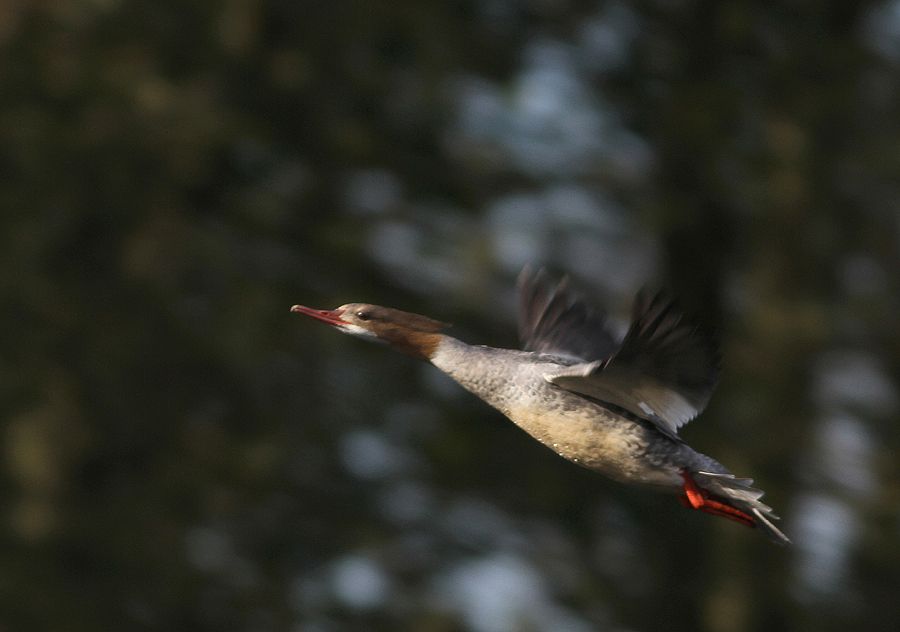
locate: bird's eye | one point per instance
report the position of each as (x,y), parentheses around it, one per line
(363,315)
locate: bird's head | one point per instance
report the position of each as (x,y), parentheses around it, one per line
(410,333)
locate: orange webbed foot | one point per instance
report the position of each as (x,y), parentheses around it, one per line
(697,498)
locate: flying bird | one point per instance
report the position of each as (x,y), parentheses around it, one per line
(611,406)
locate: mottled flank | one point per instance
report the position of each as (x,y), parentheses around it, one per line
(574,427)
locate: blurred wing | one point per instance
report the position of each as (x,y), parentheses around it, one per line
(553,319)
(664,370)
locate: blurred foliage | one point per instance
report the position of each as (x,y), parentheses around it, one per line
(180,453)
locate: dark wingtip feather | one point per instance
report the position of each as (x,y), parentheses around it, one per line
(668,345)
(553,318)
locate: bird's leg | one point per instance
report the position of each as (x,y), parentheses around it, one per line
(697,498)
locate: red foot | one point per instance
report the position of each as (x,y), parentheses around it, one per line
(697,498)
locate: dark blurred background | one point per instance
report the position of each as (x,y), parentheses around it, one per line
(181,453)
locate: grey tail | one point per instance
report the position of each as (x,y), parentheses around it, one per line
(739,493)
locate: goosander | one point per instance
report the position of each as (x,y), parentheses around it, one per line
(612,407)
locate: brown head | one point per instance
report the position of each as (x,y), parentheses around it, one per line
(412,334)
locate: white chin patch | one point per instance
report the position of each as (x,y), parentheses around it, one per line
(359,332)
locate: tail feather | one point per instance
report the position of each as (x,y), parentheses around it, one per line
(739,493)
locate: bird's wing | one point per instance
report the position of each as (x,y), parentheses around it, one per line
(553,319)
(664,371)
